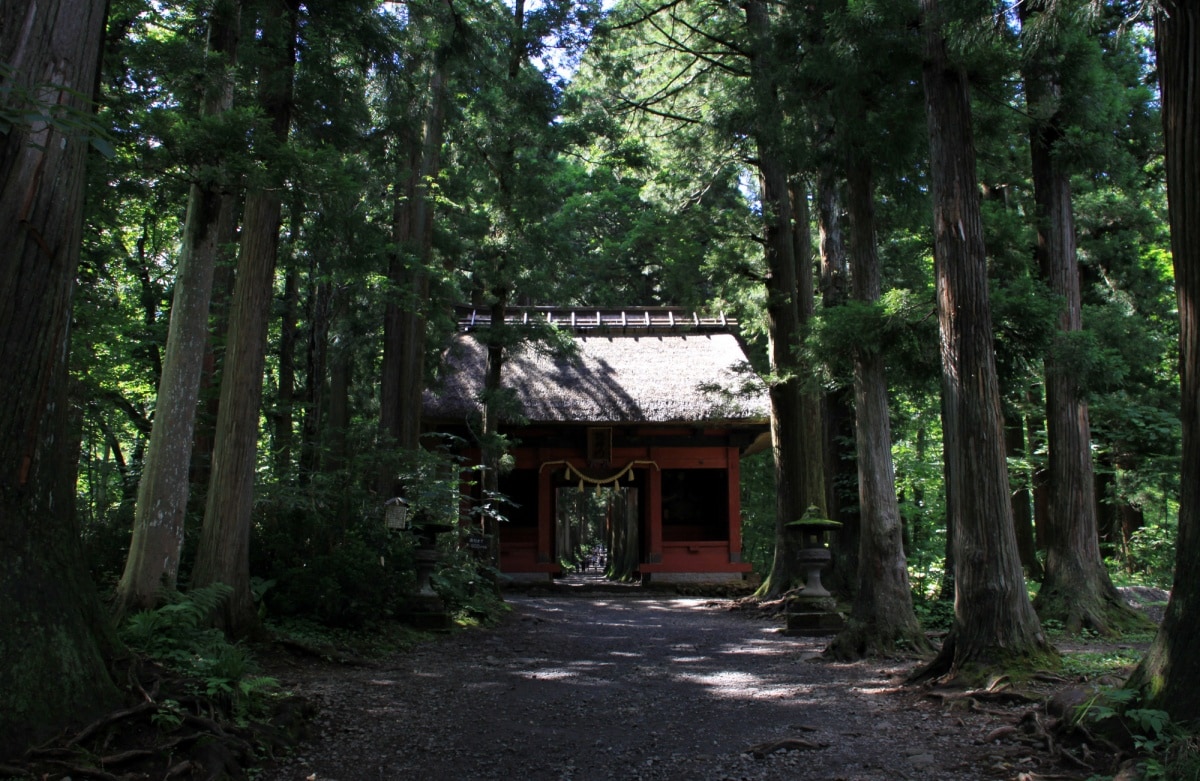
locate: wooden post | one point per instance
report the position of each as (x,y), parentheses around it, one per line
(546,502)
(733,471)
(654,530)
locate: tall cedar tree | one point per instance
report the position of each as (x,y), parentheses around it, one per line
(154,551)
(882,619)
(53,634)
(994,621)
(1169,675)
(1076,588)
(420,151)
(783,314)
(837,413)
(224,553)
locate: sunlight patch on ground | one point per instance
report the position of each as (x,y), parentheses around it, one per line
(882,687)
(682,603)
(550,675)
(761,648)
(572,671)
(741,686)
(628,625)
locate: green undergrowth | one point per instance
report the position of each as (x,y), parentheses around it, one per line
(1056,632)
(935,615)
(468,588)
(1104,662)
(179,636)
(1163,749)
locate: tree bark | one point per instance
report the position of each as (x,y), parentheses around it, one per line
(490,445)
(403,378)
(284,416)
(1022,497)
(316,454)
(154,551)
(837,413)
(882,618)
(994,621)
(1076,588)
(1169,675)
(224,552)
(812,400)
(783,316)
(54,637)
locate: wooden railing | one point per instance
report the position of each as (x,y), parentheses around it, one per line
(580,320)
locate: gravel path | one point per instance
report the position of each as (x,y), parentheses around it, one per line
(620,687)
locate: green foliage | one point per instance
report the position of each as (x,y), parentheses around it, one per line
(180,636)
(1151,554)
(25,107)
(1094,664)
(467,585)
(935,615)
(634,184)
(346,574)
(758,511)
(920,480)
(1166,751)
(898,326)
(168,716)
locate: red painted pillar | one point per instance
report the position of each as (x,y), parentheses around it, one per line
(733,471)
(654,530)
(546,502)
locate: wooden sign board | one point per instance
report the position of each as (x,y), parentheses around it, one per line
(599,446)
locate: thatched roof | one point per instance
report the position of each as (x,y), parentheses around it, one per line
(613,378)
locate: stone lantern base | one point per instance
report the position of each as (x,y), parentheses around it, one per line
(812,616)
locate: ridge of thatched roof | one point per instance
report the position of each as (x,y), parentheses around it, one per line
(600,320)
(612,377)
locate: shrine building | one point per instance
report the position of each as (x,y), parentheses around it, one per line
(630,443)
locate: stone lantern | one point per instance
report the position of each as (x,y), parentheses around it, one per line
(425,609)
(813,611)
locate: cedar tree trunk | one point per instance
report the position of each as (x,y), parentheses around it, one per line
(403,377)
(1169,675)
(224,553)
(994,621)
(1076,588)
(54,638)
(492,405)
(158,520)
(837,413)
(783,318)
(882,619)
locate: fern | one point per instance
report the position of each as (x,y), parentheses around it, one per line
(178,635)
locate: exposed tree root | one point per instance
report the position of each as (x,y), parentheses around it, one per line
(939,667)
(1053,728)
(109,720)
(861,640)
(177,735)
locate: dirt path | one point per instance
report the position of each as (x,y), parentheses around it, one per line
(615,687)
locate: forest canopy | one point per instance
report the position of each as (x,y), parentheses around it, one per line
(937,224)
